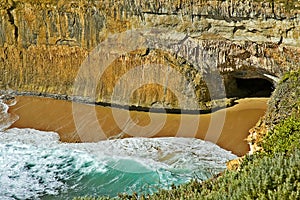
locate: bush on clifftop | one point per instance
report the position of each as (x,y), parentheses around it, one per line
(284,137)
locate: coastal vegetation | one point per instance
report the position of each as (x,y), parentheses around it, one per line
(271,173)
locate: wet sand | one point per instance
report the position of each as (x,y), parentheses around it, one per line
(86,123)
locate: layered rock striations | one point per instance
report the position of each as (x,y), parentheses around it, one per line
(44,43)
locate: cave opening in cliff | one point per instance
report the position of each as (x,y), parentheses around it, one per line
(254,87)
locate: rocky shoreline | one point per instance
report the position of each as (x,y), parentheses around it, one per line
(210,106)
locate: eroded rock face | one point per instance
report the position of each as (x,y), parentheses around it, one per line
(43,44)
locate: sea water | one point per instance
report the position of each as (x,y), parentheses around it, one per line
(36,165)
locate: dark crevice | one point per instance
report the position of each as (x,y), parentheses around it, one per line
(147,52)
(253,31)
(254,87)
(12,20)
(289,29)
(280,40)
(236,28)
(239,87)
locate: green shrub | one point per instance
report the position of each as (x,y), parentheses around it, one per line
(283,137)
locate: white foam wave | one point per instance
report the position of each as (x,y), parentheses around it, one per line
(37,165)
(179,153)
(6,119)
(29,136)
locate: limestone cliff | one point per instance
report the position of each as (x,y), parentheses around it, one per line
(43,43)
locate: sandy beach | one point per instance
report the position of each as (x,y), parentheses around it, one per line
(87,123)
